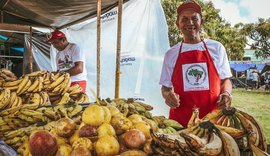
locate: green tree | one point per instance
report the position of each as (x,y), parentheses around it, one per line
(259,33)
(214,27)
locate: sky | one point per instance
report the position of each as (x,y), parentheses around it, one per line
(245,11)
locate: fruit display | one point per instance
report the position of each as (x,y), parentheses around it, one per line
(40,87)
(55,119)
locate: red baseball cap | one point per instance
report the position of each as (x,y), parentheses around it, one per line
(189,4)
(56,34)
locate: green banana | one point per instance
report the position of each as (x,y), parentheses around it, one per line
(172,123)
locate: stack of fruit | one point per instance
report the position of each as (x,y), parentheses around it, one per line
(6,75)
(108,127)
(206,137)
(40,87)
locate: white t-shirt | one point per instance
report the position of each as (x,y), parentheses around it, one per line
(255,76)
(66,59)
(216,50)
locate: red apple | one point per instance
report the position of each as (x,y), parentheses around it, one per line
(42,143)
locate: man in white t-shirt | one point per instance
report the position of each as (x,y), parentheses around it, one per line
(196,71)
(255,79)
(69,58)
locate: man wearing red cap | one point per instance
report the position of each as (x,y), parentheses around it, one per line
(196,71)
(69,58)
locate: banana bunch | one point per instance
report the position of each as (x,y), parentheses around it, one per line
(12,85)
(4,97)
(14,100)
(28,83)
(74,90)
(240,125)
(29,114)
(81,98)
(17,137)
(166,125)
(41,98)
(7,75)
(63,99)
(61,83)
(24,85)
(129,107)
(201,139)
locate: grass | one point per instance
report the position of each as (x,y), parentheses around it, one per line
(255,103)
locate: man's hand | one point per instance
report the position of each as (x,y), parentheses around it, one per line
(172,99)
(224,100)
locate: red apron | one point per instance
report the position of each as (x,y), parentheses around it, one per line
(82,84)
(197,82)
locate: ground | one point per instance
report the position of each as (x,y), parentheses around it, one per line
(257,104)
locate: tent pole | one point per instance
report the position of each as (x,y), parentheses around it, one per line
(98,46)
(31,54)
(118,50)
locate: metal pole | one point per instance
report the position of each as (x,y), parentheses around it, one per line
(118,50)
(31,54)
(98,46)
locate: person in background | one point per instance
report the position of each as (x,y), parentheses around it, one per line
(243,76)
(69,58)
(182,88)
(255,79)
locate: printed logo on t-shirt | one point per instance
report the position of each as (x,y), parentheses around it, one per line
(65,63)
(195,77)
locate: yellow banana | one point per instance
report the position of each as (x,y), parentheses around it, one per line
(19,103)
(213,114)
(46,100)
(24,89)
(4,98)
(67,83)
(22,84)
(12,83)
(33,86)
(214,147)
(59,88)
(12,99)
(262,139)
(32,106)
(258,152)
(75,89)
(229,145)
(235,133)
(58,81)
(35,98)
(193,140)
(37,73)
(140,104)
(251,129)
(65,99)
(12,88)
(194,116)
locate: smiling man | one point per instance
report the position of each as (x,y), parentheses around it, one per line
(196,71)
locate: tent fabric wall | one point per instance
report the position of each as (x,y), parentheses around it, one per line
(244,66)
(40,51)
(51,13)
(144,43)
